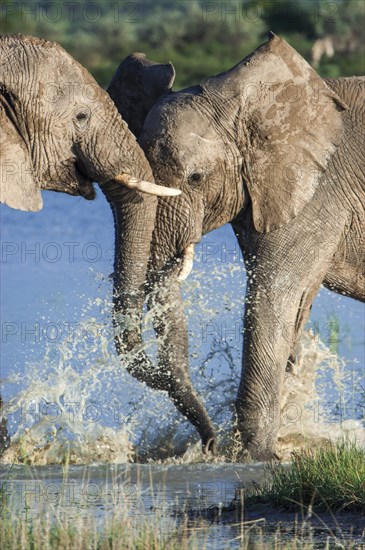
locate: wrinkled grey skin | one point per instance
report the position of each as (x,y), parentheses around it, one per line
(278,152)
(61,131)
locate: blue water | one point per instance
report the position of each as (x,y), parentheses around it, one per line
(54,276)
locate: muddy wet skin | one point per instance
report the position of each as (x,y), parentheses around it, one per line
(199,495)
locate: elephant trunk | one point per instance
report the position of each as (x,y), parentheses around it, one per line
(134,221)
(170,262)
(172,373)
(135,216)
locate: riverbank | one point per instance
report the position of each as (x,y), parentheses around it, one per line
(196,506)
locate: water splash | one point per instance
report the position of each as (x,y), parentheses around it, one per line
(80,405)
(308,416)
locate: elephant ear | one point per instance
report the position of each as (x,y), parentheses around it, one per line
(288,122)
(136,85)
(18,187)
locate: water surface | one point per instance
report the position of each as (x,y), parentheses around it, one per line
(62,380)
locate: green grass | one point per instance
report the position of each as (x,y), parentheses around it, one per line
(331,477)
(118,534)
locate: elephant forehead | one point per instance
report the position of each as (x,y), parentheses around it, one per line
(191,151)
(61,81)
(183,132)
(64,94)
(200,148)
(191,124)
(176,116)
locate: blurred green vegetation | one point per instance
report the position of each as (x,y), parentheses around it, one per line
(201,38)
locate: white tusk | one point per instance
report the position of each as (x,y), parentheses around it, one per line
(146,186)
(187,262)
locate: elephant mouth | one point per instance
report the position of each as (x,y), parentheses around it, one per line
(181,265)
(88,192)
(75,185)
(178,267)
(84,185)
(187,260)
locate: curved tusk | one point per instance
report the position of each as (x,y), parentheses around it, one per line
(146,186)
(187,262)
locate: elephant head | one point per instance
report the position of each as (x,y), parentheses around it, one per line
(136,85)
(248,144)
(59,129)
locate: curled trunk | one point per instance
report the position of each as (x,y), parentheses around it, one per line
(135,231)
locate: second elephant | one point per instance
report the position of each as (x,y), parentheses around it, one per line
(276,151)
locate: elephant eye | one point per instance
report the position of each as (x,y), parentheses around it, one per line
(81,116)
(81,119)
(195,178)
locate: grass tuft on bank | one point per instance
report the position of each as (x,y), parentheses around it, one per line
(68,533)
(331,477)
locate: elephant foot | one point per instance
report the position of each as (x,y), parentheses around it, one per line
(259,455)
(258,429)
(258,450)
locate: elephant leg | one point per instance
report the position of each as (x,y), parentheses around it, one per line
(267,344)
(173,360)
(279,297)
(303,313)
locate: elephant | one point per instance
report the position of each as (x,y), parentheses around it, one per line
(60,131)
(276,151)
